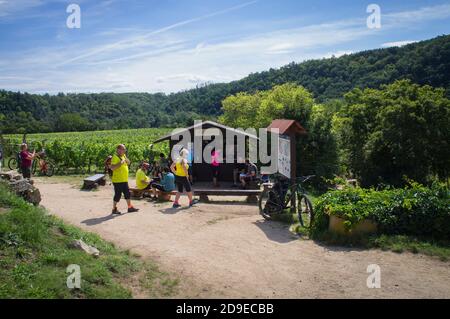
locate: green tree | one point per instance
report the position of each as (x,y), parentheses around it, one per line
(403,129)
(72,122)
(316,151)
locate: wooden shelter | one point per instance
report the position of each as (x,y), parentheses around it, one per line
(201,169)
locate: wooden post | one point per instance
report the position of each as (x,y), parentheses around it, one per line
(293,166)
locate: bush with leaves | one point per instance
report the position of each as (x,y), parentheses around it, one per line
(414,210)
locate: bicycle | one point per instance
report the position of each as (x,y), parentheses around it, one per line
(14,162)
(46,167)
(282,195)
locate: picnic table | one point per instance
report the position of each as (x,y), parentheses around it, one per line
(94,180)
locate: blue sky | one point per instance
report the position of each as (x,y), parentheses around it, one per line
(173,45)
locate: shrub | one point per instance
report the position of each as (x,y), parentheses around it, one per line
(414,210)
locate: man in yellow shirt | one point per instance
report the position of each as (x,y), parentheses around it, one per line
(142,180)
(119,166)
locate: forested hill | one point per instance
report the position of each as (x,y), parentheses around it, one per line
(426,62)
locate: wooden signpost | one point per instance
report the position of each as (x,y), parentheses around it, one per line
(288,131)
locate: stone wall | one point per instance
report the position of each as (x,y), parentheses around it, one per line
(21,186)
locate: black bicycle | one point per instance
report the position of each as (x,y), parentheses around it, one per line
(282,195)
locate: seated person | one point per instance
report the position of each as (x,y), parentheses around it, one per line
(163,161)
(238,169)
(155,171)
(143,182)
(249,175)
(167,182)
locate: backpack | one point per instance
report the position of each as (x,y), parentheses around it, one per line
(107,164)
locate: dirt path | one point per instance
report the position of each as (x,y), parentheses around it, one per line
(229,251)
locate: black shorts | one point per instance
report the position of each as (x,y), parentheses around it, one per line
(215,170)
(183,182)
(26,172)
(119,189)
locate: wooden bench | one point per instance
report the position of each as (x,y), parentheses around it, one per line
(252,194)
(162,196)
(94,180)
(139,193)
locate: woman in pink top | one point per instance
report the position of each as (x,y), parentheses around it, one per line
(215,167)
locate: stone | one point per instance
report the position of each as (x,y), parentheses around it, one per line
(81,245)
(33,196)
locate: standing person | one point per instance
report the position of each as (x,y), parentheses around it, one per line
(180,169)
(190,160)
(215,167)
(26,160)
(167,183)
(119,167)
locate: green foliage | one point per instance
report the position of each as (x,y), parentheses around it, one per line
(425,62)
(79,149)
(403,129)
(72,122)
(415,210)
(35,250)
(316,151)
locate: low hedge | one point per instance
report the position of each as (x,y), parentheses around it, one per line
(414,210)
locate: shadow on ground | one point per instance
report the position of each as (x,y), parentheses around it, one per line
(276,231)
(99,220)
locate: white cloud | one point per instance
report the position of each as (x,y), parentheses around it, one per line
(136,41)
(337,54)
(169,59)
(397,43)
(9,7)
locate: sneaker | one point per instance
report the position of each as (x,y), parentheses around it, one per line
(133,210)
(193,203)
(116,212)
(176,205)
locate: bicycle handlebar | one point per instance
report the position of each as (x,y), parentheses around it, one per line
(303,179)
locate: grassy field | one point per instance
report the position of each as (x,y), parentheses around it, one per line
(35,250)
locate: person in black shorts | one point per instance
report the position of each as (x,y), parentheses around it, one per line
(180,169)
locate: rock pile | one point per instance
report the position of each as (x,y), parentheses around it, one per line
(22,186)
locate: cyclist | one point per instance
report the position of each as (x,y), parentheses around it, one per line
(119,166)
(26,160)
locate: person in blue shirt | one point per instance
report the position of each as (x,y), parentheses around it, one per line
(167,183)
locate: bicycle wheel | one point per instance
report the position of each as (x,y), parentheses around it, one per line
(12,164)
(50,169)
(34,167)
(304,210)
(269,204)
